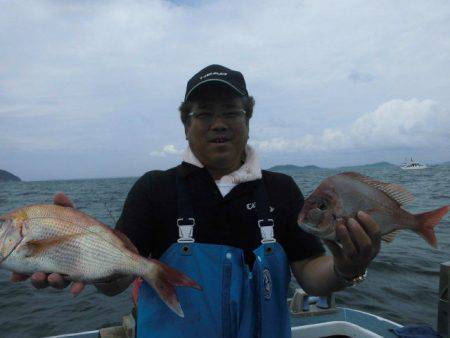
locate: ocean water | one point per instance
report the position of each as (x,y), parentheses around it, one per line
(402,282)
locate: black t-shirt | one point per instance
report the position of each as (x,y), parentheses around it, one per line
(150,213)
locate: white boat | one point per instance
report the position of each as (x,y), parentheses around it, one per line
(317,317)
(311,322)
(412,165)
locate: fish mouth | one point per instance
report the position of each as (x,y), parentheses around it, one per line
(301,218)
(4,236)
(315,231)
(2,258)
(311,229)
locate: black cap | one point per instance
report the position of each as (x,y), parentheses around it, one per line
(218,74)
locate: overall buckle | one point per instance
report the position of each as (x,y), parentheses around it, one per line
(266,228)
(186,230)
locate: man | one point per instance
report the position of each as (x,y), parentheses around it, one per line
(230,226)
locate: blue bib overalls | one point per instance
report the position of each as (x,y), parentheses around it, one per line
(235,301)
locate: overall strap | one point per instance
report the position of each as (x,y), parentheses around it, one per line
(185,220)
(265,220)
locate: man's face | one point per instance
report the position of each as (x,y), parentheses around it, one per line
(218,144)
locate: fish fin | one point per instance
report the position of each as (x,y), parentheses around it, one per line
(389,237)
(163,279)
(37,246)
(427,221)
(395,191)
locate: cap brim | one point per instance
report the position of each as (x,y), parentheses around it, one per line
(211,81)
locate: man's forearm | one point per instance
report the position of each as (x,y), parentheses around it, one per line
(317,276)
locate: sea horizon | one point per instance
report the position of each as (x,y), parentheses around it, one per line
(275,167)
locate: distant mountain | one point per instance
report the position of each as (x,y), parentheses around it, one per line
(290,167)
(7,176)
(378,165)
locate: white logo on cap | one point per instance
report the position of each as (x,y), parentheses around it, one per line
(213,73)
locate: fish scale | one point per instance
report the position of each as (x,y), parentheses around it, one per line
(69,264)
(56,239)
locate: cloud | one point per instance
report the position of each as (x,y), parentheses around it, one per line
(403,123)
(108,77)
(169,149)
(421,124)
(27,144)
(359,77)
(306,143)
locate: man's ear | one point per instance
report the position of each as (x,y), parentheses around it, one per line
(248,128)
(186,130)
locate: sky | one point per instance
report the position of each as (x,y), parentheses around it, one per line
(91,88)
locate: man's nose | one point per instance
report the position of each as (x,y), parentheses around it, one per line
(218,123)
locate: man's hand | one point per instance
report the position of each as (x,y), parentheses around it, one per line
(42,280)
(360,242)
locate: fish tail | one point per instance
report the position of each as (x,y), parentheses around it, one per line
(164,279)
(427,221)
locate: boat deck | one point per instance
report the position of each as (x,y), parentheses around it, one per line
(342,322)
(362,324)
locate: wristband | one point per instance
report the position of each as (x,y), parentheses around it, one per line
(347,282)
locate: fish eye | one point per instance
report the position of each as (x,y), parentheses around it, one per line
(322,206)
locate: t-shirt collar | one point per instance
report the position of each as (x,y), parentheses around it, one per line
(249,171)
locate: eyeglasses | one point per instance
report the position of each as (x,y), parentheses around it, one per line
(230,117)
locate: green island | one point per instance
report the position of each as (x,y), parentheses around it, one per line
(290,167)
(6,176)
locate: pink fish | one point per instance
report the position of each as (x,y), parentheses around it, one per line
(341,196)
(52,238)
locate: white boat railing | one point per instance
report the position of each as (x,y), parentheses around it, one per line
(84,333)
(302,305)
(335,328)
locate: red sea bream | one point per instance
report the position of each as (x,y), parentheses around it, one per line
(53,238)
(341,196)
